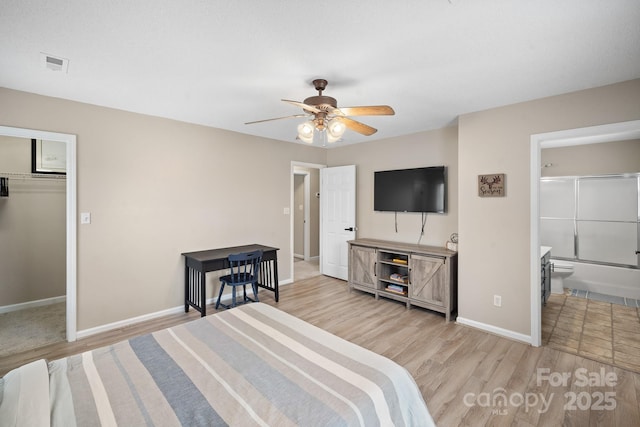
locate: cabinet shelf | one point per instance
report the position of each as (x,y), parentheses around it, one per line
(394,281)
(401,260)
(424,276)
(388,261)
(391,291)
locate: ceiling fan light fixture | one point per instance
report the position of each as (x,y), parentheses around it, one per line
(327,120)
(335,129)
(305,132)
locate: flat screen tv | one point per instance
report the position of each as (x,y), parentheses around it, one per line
(411,190)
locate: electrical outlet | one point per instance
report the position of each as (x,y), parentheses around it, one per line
(497,300)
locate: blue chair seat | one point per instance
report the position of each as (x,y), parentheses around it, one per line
(244,269)
(240,279)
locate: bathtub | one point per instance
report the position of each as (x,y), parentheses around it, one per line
(603,279)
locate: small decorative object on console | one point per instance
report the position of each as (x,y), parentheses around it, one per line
(452,243)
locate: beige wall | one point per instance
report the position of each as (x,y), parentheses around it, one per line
(157,188)
(494,232)
(32,230)
(592,159)
(434,148)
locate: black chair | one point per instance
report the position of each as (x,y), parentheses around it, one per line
(244,270)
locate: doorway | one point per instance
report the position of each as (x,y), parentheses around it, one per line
(580,136)
(70,214)
(305,218)
(32,263)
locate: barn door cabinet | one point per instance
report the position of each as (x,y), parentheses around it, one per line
(362,267)
(419,275)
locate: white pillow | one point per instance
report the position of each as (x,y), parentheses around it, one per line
(24,399)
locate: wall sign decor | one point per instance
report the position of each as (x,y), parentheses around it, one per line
(491,185)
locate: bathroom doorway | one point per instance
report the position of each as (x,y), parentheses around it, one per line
(590,327)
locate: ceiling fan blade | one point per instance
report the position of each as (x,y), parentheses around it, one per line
(276,118)
(371,110)
(304,106)
(357,126)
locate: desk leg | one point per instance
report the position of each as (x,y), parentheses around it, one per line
(275,278)
(203,294)
(186,289)
(269,276)
(195,290)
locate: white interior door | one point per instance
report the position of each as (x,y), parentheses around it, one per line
(338,222)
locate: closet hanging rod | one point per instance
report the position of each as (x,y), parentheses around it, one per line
(29,176)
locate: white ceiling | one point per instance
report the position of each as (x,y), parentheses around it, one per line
(223,63)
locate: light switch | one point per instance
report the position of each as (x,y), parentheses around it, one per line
(85,218)
(286,211)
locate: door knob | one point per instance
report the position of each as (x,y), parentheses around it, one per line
(348,229)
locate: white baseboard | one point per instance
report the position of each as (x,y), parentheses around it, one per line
(495,330)
(122,323)
(301,257)
(150,316)
(133,320)
(32,304)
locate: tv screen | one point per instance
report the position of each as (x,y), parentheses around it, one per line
(411,190)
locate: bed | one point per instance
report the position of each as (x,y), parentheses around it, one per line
(251,365)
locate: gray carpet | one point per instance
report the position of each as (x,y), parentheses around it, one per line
(24,330)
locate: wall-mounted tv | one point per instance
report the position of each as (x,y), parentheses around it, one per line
(411,190)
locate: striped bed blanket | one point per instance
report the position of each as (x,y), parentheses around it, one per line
(251,365)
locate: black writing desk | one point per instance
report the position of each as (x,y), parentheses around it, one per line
(197,264)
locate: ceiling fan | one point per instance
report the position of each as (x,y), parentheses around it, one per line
(325,115)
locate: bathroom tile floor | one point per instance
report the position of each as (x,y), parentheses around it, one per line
(629,302)
(596,330)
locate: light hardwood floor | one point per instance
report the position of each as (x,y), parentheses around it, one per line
(462,372)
